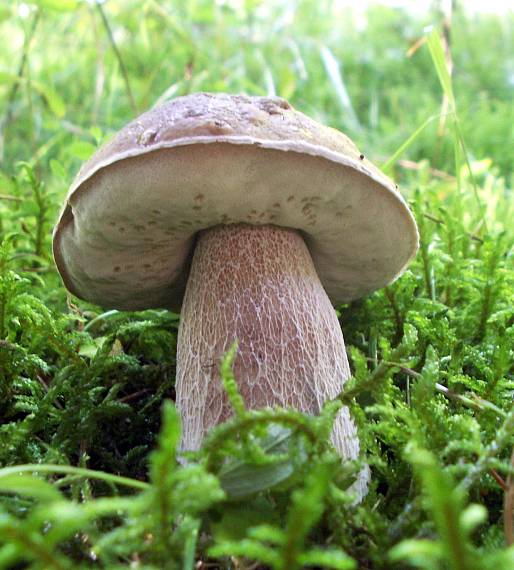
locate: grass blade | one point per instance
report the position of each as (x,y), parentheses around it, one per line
(388,165)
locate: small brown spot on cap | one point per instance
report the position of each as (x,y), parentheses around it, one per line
(218,127)
(192,113)
(274,105)
(147,137)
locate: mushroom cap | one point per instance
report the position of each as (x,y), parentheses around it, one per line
(126,234)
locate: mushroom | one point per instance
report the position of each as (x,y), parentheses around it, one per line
(249,217)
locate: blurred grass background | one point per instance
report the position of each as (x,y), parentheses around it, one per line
(356,71)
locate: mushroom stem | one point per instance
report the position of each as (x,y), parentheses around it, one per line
(258,284)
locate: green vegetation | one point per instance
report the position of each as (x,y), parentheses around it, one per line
(86,411)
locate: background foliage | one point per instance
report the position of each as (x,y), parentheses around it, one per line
(82,390)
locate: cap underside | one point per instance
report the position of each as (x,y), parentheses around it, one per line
(126,234)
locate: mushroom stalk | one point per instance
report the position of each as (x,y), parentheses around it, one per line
(258,284)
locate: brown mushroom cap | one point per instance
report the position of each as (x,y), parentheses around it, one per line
(126,233)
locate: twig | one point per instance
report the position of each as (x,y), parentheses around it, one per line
(441,222)
(508,506)
(118,56)
(411,165)
(11,198)
(415,46)
(133,395)
(36,269)
(45,386)
(496,476)
(475,403)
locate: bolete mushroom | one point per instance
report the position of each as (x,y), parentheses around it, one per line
(249,217)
